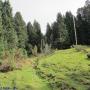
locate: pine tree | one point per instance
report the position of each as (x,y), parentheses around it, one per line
(83,24)
(38,34)
(70,27)
(10,36)
(30,34)
(21,30)
(63,37)
(60,34)
(1,32)
(48,34)
(54,34)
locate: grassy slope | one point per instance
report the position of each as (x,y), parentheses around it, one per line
(68,66)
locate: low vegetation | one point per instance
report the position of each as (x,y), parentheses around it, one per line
(61,70)
(24,78)
(66,70)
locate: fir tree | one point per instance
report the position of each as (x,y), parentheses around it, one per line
(21,30)
(10,36)
(48,34)
(1,32)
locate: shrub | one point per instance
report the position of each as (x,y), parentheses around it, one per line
(29,49)
(34,51)
(88,55)
(35,63)
(19,54)
(47,49)
(80,48)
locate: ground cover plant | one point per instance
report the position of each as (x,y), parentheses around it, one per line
(66,70)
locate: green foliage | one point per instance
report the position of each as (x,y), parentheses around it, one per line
(59,36)
(10,36)
(1,50)
(83,24)
(25,79)
(1,33)
(68,19)
(34,34)
(48,34)
(29,49)
(21,30)
(63,34)
(20,54)
(14,84)
(65,69)
(38,36)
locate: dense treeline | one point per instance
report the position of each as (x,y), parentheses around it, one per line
(15,34)
(61,33)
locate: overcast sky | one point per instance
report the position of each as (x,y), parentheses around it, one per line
(44,10)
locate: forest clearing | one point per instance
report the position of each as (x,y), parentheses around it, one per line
(43,49)
(66,69)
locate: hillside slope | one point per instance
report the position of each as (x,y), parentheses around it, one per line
(62,70)
(66,70)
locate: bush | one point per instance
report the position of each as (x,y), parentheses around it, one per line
(34,51)
(88,55)
(80,48)
(29,49)
(20,54)
(47,49)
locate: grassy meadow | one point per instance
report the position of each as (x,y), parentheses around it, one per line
(62,70)
(66,69)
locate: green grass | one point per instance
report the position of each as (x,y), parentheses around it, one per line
(63,70)
(67,67)
(25,79)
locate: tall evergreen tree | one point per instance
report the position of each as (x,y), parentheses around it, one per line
(54,34)
(1,26)
(30,34)
(70,27)
(10,36)
(1,31)
(38,34)
(59,35)
(62,36)
(21,30)
(48,34)
(83,23)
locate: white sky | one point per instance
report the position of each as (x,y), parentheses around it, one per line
(44,10)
